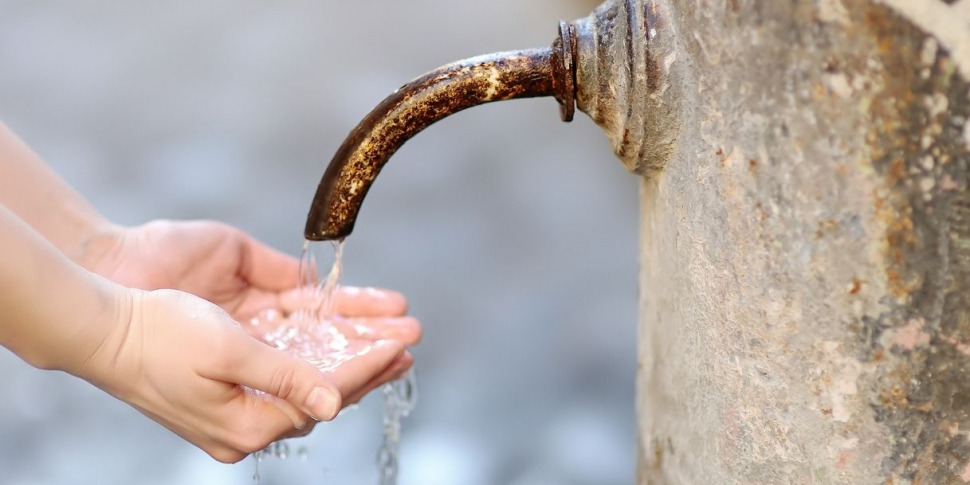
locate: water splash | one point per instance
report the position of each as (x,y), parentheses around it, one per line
(257,457)
(319,292)
(309,333)
(400,398)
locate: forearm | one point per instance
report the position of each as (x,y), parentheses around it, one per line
(38,196)
(53,313)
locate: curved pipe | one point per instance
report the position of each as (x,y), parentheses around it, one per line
(421,103)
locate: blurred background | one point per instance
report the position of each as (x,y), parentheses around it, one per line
(513,234)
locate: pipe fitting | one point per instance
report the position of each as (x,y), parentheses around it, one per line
(629,82)
(618,66)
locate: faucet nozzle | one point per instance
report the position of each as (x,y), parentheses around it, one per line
(619,66)
(424,101)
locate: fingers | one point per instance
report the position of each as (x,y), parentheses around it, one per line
(353,377)
(370,302)
(406,330)
(267,268)
(207,394)
(249,362)
(351,301)
(396,370)
(261,419)
(298,419)
(227,421)
(258,420)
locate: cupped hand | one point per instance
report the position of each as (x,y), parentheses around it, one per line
(374,313)
(361,317)
(188,365)
(209,259)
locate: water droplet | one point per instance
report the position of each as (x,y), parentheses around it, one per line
(283,450)
(303,453)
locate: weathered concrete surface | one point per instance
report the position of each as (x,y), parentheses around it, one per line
(805,279)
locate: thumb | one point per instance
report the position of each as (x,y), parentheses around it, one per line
(251,363)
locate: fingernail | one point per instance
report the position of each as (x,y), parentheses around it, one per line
(322,404)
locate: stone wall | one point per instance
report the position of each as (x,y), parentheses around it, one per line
(805,257)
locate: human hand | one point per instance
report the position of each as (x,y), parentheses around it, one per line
(361,315)
(208,259)
(186,364)
(374,313)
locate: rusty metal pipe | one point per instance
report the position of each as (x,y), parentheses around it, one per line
(618,66)
(411,109)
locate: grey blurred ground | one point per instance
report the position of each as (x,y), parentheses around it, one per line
(514,235)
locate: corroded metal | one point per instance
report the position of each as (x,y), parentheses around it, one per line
(564,69)
(628,80)
(616,65)
(411,109)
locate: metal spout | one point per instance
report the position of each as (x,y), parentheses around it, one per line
(604,64)
(419,104)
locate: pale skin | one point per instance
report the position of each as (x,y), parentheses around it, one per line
(150,315)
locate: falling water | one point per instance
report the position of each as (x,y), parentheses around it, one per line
(309,334)
(320,292)
(400,397)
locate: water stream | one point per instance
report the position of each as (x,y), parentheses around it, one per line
(310,334)
(400,397)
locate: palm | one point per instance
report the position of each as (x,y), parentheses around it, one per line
(211,260)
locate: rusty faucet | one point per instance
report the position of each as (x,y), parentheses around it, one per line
(616,65)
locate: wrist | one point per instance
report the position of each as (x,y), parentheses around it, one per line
(97,245)
(55,314)
(92,347)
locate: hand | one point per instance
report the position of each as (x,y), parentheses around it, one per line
(361,315)
(212,260)
(374,313)
(186,364)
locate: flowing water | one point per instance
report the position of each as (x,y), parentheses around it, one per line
(309,333)
(400,397)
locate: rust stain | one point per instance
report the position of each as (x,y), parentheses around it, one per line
(896,172)
(826,226)
(658,455)
(856,286)
(894,397)
(762,212)
(925,393)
